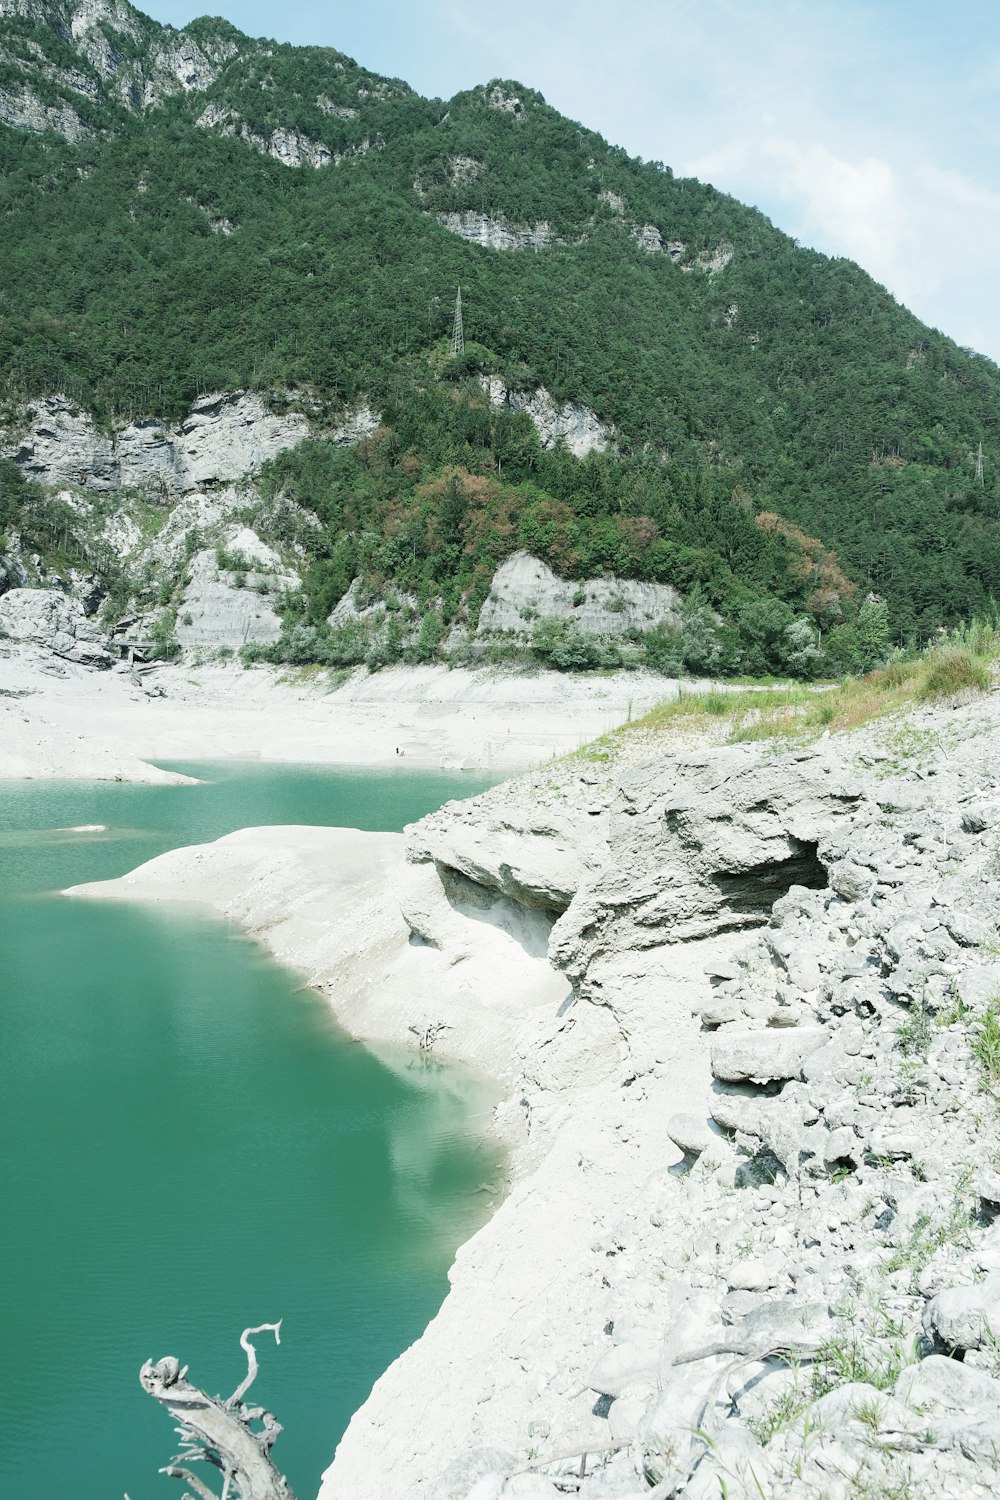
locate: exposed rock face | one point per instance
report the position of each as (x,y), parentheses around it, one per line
(338,111)
(56,621)
(139,66)
(835,1196)
(649,238)
(224,437)
(502,99)
(538,862)
(288,146)
(525,590)
(498,234)
(23,108)
(573,424)
(711,262)
(699,845)
(230,606)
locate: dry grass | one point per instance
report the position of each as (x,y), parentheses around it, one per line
(802,713)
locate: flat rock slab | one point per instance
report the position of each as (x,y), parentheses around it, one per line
(765,1056)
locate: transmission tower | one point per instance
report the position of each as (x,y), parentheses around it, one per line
(458,334)
(979,465)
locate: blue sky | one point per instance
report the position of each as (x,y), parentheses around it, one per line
(867,128)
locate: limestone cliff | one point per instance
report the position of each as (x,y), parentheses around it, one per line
(524,590)
(224,437)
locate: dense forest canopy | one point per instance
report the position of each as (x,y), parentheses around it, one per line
(783,428)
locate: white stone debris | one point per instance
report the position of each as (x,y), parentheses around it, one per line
(753,1253)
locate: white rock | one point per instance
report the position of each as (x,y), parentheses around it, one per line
(572,423)
(56,621)
(765,1055)
(524,590)
(224,437)
(964,1317)
(940,1384)
(624,1366)
(852,882)
(692,1133)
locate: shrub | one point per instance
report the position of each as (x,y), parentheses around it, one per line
(952,672)
(664,650)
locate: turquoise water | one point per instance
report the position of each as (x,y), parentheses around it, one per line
(189,1144)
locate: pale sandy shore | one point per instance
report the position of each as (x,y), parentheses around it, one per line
(328,902)
(62,721)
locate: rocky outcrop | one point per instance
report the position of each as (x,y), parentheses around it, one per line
(290,147)
(23,108)
(699,845)
(50,618)
(230,604)
(649,238)
(498,97)
(224,437)
(711,262)
(572,423)
(498,233)
(117,53)
(525,590)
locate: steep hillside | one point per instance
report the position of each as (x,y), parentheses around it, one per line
(195,211)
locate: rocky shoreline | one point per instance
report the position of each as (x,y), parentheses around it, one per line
(745,1003)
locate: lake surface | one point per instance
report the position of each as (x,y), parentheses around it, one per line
(189,1144)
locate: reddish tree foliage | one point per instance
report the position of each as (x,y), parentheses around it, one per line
(812,562)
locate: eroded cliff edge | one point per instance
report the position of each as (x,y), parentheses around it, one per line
(742,1001)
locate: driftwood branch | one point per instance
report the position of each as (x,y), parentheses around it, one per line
(427,1036)
(234,1438)
(251,1354)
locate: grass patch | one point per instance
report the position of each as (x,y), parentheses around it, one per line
(927,1236)
(952,672)
(986,1047)
(801,712)
(915,1034)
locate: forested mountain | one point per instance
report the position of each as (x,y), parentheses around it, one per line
(192,211)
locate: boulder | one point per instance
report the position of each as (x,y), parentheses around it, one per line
(788,1325)
(728,1101)
(943,1386)
(850,881)
(964,1317)
(763,1056)
(468,1470)
(979,816)
(623,1366)
(693,1133)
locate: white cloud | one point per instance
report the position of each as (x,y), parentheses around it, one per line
(850,208)
(853,207)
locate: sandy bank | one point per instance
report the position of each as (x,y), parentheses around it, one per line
(328,903)
(59,720)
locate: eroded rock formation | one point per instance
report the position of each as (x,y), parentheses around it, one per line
(757,1144)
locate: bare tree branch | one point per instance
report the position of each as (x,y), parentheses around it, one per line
(217,1432)
(251,1355)
(172,1472)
